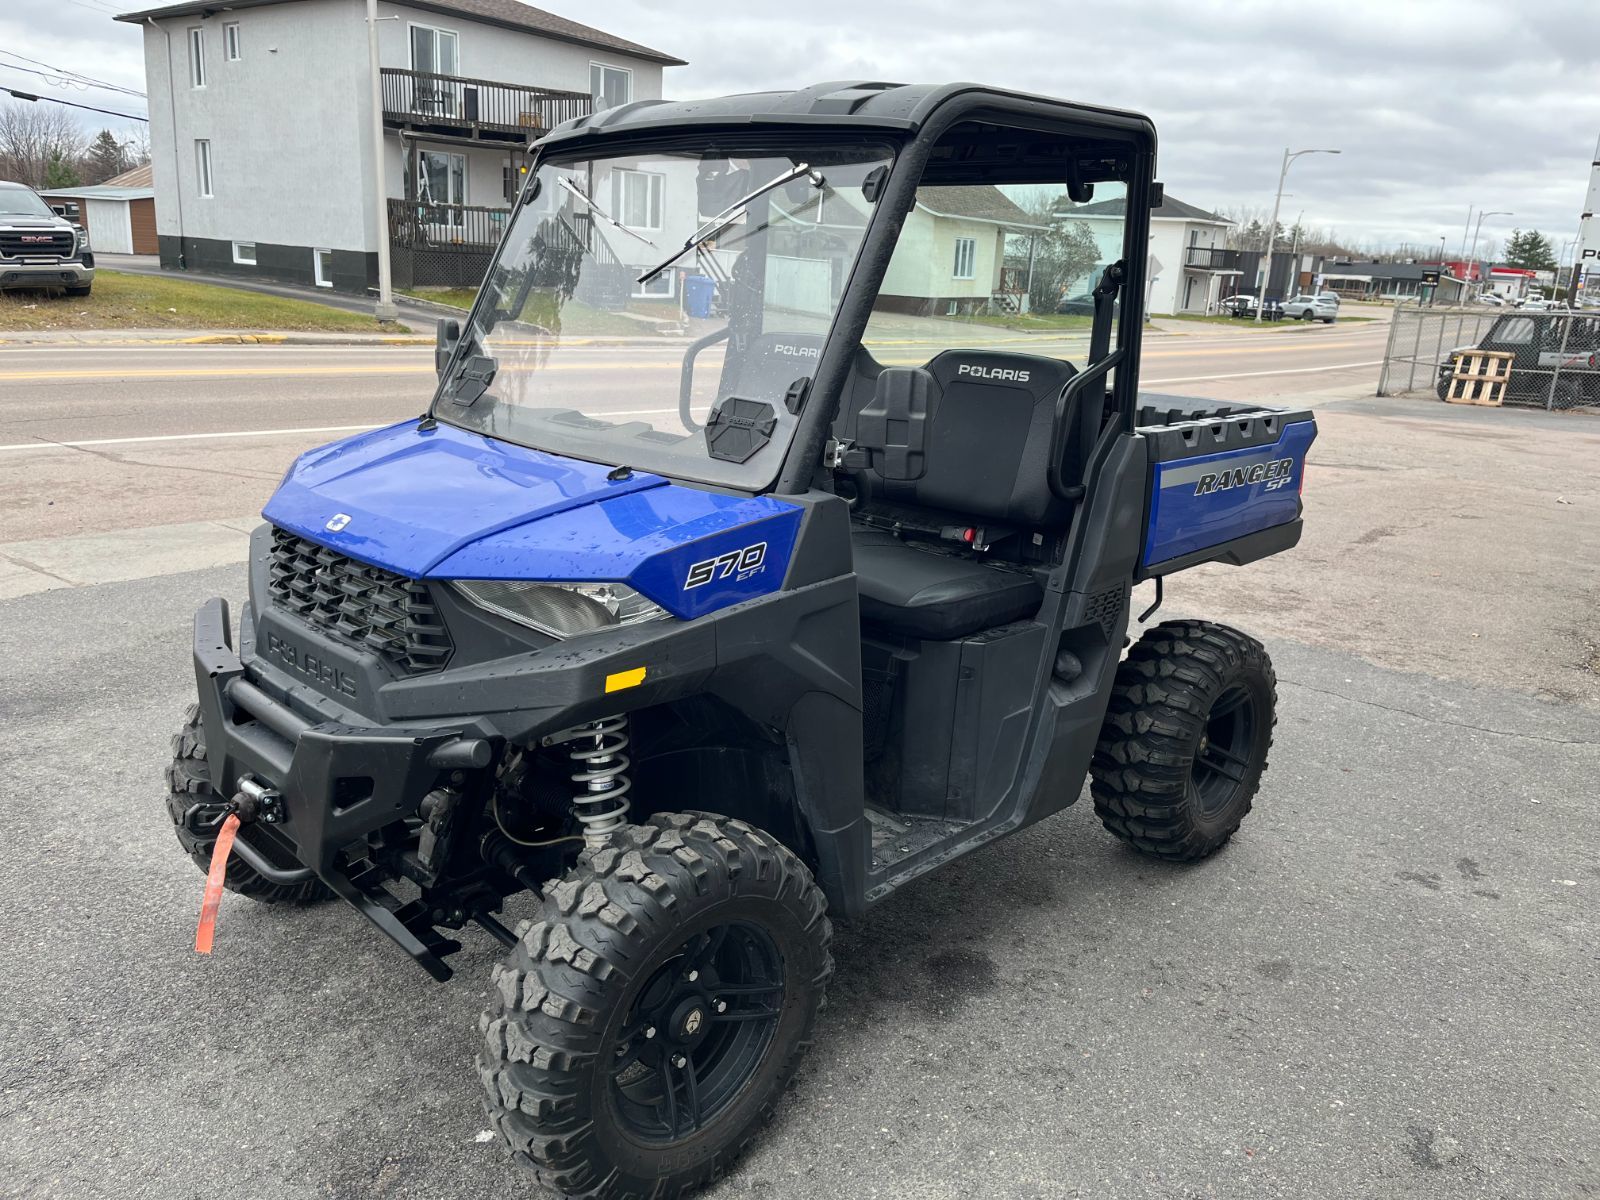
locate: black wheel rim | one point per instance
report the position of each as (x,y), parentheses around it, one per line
(1222,758)
(697,1032)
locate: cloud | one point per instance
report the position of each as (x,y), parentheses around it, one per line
(1436,104)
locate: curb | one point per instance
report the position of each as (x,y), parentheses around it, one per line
(434,306)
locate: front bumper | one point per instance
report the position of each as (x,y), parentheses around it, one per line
(339,781)
(19,275)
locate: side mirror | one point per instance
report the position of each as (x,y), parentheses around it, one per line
(446,338)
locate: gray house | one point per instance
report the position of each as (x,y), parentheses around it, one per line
(261,129)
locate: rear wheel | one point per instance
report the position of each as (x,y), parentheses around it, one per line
(198,811)
(648,1020)
(1185,739)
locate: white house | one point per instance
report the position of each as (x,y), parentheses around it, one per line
(1188,259)
(261,129)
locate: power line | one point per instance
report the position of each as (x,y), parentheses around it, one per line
(63,73)
(89,107)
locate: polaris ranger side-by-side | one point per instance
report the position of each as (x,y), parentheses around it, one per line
(745,566)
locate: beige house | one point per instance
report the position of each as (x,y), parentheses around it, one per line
(951,257)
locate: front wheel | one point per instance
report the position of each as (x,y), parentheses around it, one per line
(649,1018)
(197,812)
(80,291)
(1185,739)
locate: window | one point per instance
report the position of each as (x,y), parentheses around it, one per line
(202,166)
(230,41)
(610,86)
(966,257)
(197,57)
(638,199)
(511,180)
(442,178)
(662,287)
(322,267)
(1041,253)
(244,253)
(435,52)
(1514,331)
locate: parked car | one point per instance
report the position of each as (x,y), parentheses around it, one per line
(38,248)
(1243,302)
(1083,306)
(1323,307)
(1490,299)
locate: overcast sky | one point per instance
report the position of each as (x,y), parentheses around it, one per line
(1436,104)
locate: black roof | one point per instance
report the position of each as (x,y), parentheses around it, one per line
(863,103)
(1170,207)
(1378,270)
(508,14)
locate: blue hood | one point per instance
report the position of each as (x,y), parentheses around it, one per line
(446,503)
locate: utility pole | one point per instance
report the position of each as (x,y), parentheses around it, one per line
(385,310)
(1272,229)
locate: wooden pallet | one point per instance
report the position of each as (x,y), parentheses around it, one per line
(1480,377)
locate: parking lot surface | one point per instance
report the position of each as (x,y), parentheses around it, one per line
(1384,986)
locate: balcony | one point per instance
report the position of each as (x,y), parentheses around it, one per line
(1203,258)
(474,109)
(450,245)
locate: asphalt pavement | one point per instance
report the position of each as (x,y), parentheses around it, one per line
(1383,987)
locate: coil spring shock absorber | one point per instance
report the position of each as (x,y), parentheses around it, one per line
(596,750)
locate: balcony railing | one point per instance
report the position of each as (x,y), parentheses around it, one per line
(418,225)
(1208,259)
(478,108)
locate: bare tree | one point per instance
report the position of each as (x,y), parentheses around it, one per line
(32,136)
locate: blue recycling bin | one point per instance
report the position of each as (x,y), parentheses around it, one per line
(698,291)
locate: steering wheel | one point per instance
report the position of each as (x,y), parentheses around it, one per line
(686,380)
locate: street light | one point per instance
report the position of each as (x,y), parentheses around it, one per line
(1272,229)
(1472,257)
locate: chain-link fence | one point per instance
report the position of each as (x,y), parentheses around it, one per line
(1553,357)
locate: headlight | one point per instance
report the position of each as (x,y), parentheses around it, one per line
(561,609)
(83,239)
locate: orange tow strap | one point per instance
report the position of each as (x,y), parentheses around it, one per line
(214,877)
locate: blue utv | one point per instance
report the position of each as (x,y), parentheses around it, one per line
(768,542)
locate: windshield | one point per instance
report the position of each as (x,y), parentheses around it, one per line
(579,346)
(19,202)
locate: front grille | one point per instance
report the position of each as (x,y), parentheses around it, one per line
(364,606)
(18,243)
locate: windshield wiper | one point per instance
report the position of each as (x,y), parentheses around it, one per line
(731,214)
(602,213)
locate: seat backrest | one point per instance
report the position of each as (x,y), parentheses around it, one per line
(967,434)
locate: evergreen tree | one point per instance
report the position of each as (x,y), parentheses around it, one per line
(59,172)
(1530,250)
(104,158)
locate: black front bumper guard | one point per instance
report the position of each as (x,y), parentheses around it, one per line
(339,783)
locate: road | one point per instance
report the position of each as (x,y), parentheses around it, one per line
(98,439)
(1383,987)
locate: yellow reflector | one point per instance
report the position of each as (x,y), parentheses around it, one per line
(625,679)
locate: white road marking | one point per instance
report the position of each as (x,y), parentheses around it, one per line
(1248,374)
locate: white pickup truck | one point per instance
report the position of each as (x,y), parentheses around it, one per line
(38,248)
